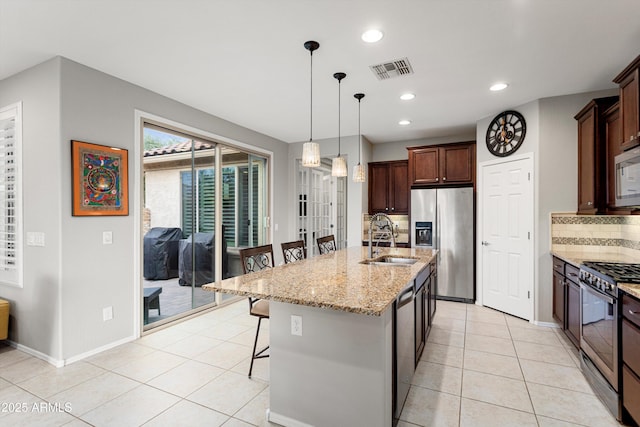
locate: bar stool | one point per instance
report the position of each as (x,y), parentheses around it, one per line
(293,251)
(256,259)
(326,244)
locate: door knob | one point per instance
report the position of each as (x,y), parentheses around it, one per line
(485,243)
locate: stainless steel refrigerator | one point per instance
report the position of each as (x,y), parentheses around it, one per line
(443,219)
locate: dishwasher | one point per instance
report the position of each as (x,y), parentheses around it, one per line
(404,348)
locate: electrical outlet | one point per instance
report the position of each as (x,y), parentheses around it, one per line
(296,325)
(107,313)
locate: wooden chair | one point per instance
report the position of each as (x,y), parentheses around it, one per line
(293,251)
(256,259)
(326,244)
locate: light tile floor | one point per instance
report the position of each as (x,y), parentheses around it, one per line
(479,368)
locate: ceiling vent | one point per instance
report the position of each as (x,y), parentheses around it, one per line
(395,68)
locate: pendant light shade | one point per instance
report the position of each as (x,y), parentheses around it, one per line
(358,171)
(339,164)
(311,150)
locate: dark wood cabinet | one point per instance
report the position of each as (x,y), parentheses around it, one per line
(630,349)
(425,307)
(592,178)
(559,300)
(629,82)
(442,164)
(389,187)
(613,140)
(566,299)
(573,312)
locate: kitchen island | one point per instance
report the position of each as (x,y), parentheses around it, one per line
(340,370)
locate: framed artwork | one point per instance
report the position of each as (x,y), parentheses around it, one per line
(100,180)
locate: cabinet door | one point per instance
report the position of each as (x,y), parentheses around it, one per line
(613,140)
(378,188)
(423,166)
(629,108)
(399,188)
(559,299)
(586,162)
(573,312)
(456,164)
(419,323)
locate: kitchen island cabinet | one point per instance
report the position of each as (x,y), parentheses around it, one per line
(340,370)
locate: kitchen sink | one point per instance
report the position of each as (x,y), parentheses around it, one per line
(390,260)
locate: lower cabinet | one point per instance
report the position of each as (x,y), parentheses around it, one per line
(573,312)
(566,299)
(630,346)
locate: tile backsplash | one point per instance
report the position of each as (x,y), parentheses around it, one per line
(596,233)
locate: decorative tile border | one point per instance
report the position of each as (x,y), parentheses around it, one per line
(590,219)
(586,241)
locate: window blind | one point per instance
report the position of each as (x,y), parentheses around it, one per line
(9,195)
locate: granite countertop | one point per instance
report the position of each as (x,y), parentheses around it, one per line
(630,288)
(577,258)
(336,280)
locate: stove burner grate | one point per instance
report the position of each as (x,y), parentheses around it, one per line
(617,272)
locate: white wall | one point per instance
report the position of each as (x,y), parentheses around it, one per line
(163,197)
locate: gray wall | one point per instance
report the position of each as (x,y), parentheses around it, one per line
(357,196)
(552,137)
(35,308)
(70,280)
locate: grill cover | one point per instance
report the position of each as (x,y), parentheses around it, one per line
(203,250)
(161,253)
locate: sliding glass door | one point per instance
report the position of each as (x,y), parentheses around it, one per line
(180,222)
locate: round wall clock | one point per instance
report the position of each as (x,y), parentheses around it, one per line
(506,133)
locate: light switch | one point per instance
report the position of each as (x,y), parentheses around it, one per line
(107,237)
(35,238)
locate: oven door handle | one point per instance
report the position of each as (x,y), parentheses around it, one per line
(587,288)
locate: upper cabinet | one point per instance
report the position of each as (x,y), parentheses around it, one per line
(592,178)
(388,187)
(629,81)
(442,164)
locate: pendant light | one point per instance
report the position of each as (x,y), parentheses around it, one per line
(339,165)
(358,171)
(311,150)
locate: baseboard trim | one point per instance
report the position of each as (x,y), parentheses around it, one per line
(284,421)
(58,363)
(98,350)
(546,324)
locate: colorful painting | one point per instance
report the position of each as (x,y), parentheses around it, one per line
(99,180)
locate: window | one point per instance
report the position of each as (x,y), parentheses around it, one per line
(10,195)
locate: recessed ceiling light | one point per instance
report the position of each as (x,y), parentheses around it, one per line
(404,122)
(498,86)
(407,96)
(372,36)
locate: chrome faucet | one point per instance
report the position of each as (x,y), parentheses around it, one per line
(373,218)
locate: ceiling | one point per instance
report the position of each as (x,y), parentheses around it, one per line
(244,60)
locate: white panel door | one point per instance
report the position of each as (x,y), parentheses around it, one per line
(507,237)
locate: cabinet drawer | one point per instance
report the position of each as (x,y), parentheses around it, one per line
(571,272)
(558,265)
(631,309)
(631,393)
(631,345)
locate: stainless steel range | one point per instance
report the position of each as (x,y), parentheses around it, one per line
(599,318)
